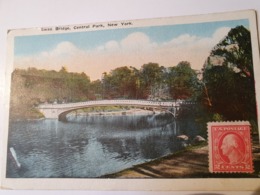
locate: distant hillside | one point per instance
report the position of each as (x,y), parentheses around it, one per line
(31,87)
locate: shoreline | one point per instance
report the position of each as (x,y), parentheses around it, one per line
(191,162)
(152,169)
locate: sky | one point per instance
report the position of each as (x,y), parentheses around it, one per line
(96,52)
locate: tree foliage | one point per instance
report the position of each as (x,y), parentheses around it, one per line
(120,83)
(152,81)
(236,51)
(31,87)
(183,81)
(229,79)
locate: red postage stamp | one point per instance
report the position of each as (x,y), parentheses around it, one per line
(230,148)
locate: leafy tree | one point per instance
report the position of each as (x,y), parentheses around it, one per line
(96,90)
(236,51)
(151,78)
(63,70)
(229,79)
(120,83)
(183,81)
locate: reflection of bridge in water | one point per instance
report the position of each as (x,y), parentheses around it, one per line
(59,111)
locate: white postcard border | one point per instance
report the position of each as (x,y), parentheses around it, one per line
(134,184)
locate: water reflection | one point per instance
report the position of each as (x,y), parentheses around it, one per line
(89,146)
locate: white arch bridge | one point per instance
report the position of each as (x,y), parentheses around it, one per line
(59,111)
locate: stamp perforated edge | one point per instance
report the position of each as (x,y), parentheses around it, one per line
(209,125)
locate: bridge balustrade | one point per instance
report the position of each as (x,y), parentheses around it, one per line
(55,110)
(115,102)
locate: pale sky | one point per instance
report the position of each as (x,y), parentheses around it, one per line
(95,52)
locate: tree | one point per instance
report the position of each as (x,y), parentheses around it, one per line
(151,79)
(228,75)
(96,90)
(183,81)
(120,83)
(236,51)
(63,70)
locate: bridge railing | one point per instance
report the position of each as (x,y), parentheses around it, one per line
(115,102)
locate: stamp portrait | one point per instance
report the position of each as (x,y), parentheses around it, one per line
(230,147)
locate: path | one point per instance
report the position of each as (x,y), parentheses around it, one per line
(191,163)
(177,165)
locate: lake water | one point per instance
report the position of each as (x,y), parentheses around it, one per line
(91,146)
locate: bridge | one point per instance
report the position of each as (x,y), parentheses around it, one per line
(59,111)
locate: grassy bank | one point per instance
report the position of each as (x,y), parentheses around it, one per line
(25,113)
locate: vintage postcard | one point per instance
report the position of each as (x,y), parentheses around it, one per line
(155,104)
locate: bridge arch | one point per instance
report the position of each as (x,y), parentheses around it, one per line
(63,115)
(59,111)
